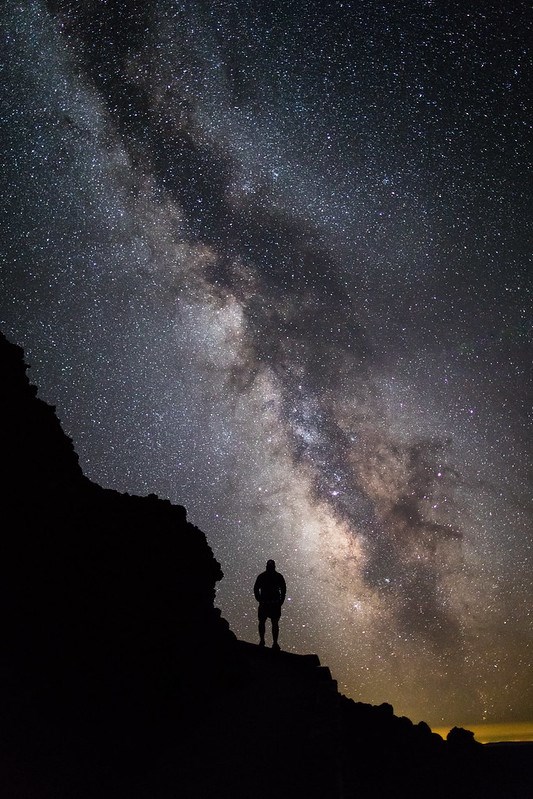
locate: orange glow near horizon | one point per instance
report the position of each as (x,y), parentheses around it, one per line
(496,733)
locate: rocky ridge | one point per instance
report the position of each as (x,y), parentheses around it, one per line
(119,677)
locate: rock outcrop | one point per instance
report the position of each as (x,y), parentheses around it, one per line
(107,600)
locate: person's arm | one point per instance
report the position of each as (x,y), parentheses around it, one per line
(282,588)
(257,589)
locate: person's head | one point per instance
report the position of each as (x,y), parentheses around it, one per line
(271,566)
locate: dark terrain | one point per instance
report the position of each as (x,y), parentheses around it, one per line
(119,678)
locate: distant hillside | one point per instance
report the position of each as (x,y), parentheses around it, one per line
(119,678)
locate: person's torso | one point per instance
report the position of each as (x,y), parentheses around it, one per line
(271,587)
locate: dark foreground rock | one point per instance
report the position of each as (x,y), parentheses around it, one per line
(119,678)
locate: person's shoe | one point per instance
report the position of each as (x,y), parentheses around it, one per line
(276,647)
(261,643)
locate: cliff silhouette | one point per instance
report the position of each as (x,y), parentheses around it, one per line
(119,677)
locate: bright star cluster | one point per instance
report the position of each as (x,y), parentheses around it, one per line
(271,261)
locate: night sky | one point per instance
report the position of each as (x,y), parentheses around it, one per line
(271,261)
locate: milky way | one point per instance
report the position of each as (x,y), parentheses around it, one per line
(270,260)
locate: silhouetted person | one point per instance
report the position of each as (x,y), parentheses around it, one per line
(270,590)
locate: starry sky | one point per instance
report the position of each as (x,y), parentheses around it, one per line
(271,260)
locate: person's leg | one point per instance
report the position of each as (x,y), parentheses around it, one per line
(261,615)
(275,632)
(275,627)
